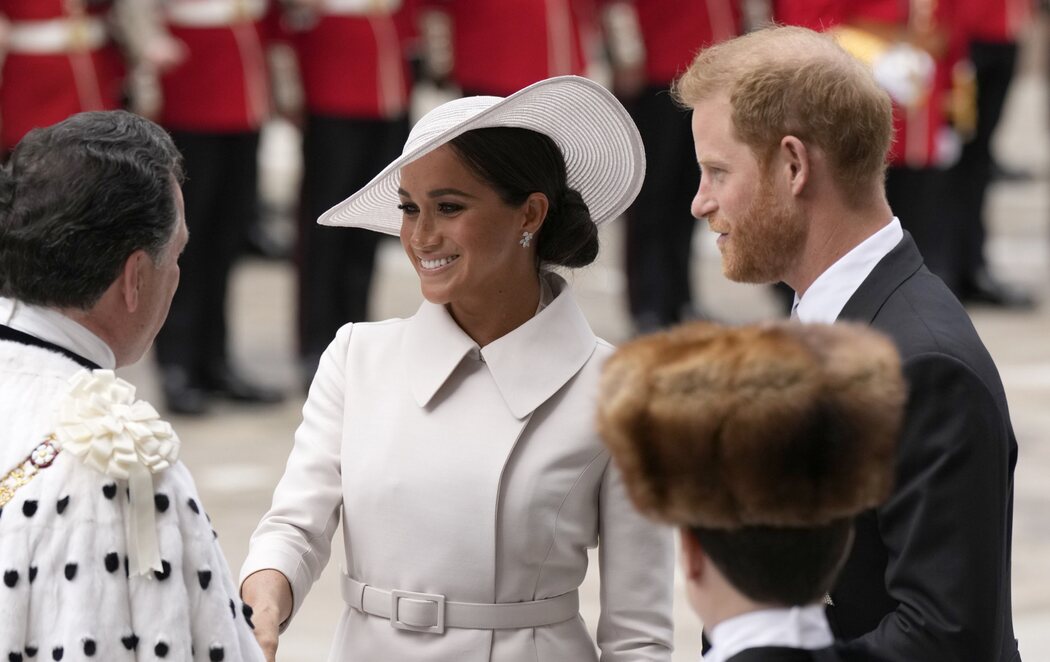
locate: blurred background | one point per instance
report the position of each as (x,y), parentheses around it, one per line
(283,109)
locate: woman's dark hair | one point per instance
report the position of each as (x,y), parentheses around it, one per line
(79,197)
(784,566)
(518,162)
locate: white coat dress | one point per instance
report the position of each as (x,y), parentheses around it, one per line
(472,473)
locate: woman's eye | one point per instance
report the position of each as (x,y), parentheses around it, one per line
(408,208)
(449,207)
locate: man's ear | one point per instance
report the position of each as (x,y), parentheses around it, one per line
(694,560)
(536,207)
(132,279)
(796,161)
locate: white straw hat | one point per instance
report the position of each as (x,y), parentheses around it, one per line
(604,156)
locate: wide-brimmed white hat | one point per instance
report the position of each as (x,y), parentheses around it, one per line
(604,156)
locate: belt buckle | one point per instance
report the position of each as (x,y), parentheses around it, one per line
(436,598)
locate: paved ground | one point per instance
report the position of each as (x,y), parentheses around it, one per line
(237,455)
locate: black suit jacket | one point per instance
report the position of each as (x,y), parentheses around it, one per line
(929,575)
(784,654)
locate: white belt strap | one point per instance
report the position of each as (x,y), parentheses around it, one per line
(59,35)
(431,612)
(214,13)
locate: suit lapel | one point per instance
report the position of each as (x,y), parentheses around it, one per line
(899,265)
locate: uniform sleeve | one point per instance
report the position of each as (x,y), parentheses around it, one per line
(636,564)
(946,526)
(295,536)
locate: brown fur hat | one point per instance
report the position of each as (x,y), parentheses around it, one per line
(782,424)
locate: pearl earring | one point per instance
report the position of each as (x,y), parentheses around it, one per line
(526,238)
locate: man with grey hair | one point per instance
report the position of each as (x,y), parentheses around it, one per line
(105,551)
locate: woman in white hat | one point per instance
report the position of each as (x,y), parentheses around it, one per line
(459,445)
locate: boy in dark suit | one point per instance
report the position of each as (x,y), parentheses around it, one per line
(760,444)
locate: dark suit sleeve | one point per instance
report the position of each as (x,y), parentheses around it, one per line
(944,525)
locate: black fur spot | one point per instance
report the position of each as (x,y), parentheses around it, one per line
(216,654)
(164,572)
(112,562)
(193,506)
(247,610)
(62,504)
(71,571)
(233,609)
(126,572)
(56,653)
(31,651)
(32,574)
(29,508)
(109,491)
(14,657)
(204,577)
(161,649)
(11,578)
(161,502)
(89,647)
(130,642)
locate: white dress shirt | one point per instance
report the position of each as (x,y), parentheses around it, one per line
(796,627)
(54,327)
(828,294)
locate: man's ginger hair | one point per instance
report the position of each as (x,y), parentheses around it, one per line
(790,81)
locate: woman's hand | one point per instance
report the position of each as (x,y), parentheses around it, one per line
(269,595)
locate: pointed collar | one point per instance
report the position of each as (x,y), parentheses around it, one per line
(529,364)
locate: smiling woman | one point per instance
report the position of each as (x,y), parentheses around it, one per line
(458,446)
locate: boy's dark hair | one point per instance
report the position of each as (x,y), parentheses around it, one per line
(777,565)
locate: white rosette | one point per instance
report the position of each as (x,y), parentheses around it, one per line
(103,424)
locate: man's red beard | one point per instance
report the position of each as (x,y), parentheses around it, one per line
(765,242)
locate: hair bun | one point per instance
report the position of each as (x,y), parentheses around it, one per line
(569,237)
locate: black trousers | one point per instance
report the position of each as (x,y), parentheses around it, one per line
(994,64)
(920,198)
(220,193)
(659,223)
(335,265)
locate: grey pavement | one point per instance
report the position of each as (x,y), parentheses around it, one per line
(238,454)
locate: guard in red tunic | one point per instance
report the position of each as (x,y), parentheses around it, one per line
(994,32)
(59,61)
(356,83)
(500,47)
(214,103)
(651,42)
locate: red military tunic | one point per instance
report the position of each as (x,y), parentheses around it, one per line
(918,131)
(999,21)
(351,59)
(222,85)
(673,32)
(501,47)
(68,67)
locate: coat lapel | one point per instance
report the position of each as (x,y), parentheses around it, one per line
(899,265)
(532,362)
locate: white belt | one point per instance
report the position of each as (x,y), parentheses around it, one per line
(59,35)
(359,7)
(214,13)
(431,612)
